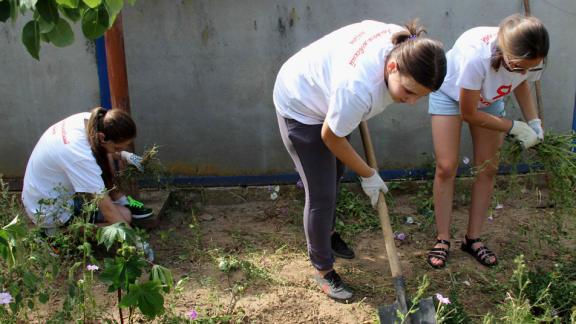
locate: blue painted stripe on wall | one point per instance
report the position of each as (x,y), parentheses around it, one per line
(292,178)
(574,115)
(102,66)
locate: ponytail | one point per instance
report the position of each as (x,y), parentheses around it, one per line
(419,57)
(117,126)
(413,30)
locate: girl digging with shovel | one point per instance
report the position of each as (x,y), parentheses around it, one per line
(322,93)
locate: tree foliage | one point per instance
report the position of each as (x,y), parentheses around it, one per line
(51,19)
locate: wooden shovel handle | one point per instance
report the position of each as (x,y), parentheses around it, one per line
(382,207)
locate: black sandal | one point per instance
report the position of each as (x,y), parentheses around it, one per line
(481,254)
(439,253)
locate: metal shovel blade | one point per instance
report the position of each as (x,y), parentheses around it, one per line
(426,313)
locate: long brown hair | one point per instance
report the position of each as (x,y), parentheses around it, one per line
(521,38)
(419,57)
(117,127)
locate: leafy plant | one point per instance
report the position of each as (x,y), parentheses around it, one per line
(153,170)
(556,156)
(517,308)
(560,284)
(123,272)
(51,19)
(354,213)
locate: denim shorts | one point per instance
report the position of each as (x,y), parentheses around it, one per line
(96,216)
(440,104)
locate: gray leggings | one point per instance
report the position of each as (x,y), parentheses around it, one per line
(320,171)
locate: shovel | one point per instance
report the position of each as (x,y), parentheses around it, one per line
(424,313)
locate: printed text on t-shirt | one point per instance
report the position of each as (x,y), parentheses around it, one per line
(362,47)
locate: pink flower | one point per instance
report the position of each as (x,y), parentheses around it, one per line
(192,314)
(5,298)
(300,184)
(92,267)
(399,236)
(442,299)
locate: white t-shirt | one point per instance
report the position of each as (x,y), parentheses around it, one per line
(61,164)
(469,68)
(339,77)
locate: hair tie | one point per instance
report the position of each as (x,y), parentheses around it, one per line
(412,37)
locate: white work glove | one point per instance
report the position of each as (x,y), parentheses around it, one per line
(372,187)
(133,159)
(536,125)
(524,134)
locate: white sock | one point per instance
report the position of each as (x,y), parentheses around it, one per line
(122,201)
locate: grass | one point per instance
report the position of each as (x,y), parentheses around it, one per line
(154,170)
(556,157)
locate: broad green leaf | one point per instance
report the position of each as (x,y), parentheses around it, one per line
(4,10)
(44,38)
(71,4)
(48,10)
(92,3)
(62,34)
(118,232)
(119,272)
(30,280)
(31,38)
(45,26)
(162,275)
(43,297)
(28,4)
(95,22)
(114,6)
(72,14)
(112,274)
(147,297)
(13,222)
(4,246)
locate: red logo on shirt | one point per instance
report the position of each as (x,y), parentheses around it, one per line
(363,46)
(64,135)
(503,91)
(486,38)
(484,101)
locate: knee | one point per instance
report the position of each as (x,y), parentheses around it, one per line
(487,170)
(446,170)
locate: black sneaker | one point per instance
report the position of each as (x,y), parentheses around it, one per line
(333,286)
(340,248)
(137,209)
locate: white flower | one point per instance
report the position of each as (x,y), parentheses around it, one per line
(466,160)
(442,299)
(499,206)
(277,188)
(5,298)
(274,196)
(92,267)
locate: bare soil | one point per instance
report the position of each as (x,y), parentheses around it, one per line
(200,228)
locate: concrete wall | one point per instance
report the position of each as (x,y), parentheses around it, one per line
(34,95)
(201,74)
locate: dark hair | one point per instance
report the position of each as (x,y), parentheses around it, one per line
(117,126)
(419,57)
(522,38)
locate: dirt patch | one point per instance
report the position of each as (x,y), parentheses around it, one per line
(273,282)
